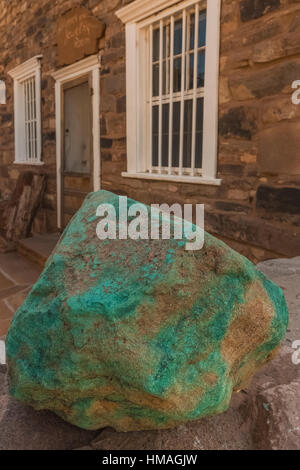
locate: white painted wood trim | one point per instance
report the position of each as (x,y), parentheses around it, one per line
(58,114)
(30,68)
(136,16)
(77,69)
(140,9)
(2,92)
(174,178)
(96,128)
(27,69)
(211,90)
(38,90)
(171,9)
(131,97)
(62,76)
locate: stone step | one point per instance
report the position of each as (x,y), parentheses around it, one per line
(38,248)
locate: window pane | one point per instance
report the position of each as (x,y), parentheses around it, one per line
(202,30)
(187,138)
(35,139)
(192,31)
(155,45)
(191,72)
(165,79)
(155,136)
(178,37)
(176,131)
(166,42)
(201,69)
(165,135)
(199,133)
(177,74)
(155,80)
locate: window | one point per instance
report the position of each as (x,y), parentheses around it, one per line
(27,111)
(172,56)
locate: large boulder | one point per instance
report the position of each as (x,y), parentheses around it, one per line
(140,334)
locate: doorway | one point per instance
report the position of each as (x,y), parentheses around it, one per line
(77,96)
(77,177)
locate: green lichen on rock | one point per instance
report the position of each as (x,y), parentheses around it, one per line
(140,334)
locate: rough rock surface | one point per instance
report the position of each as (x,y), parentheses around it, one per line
(242,426)
(22,428)
(140,334)
(278,418)
(286,274)
(228,431)
(249,423)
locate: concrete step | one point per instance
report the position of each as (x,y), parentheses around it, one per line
(38,248)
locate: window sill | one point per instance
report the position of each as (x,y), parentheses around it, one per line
(29,163)
(173,179)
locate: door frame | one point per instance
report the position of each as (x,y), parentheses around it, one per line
(90,65)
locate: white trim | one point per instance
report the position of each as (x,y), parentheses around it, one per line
(30,68)
(171,9)
(174,178)
(77,69)
(141,9)
(137,15)
(62,76)
(211,89)
(29,163)
(131,96)
(2,92)
(27,69)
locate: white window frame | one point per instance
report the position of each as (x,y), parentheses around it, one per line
(2,92)
(136,16)
(27,70)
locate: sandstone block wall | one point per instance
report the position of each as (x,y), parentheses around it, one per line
(257,207)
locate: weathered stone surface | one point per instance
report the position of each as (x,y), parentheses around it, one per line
(266,84)
(278,419)
(278,149)
(22,428)
(286,274)
(252,9)
(140,334)
(268,51)
(240,121)
(278,199)
(260,233)
(78,33)
(261,83)
(228,431)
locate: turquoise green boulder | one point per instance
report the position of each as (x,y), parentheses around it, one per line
(140,334)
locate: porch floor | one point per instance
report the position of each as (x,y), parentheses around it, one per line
(17,276)
(38,248)
(19,270)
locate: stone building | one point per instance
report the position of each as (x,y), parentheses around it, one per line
(92,96)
